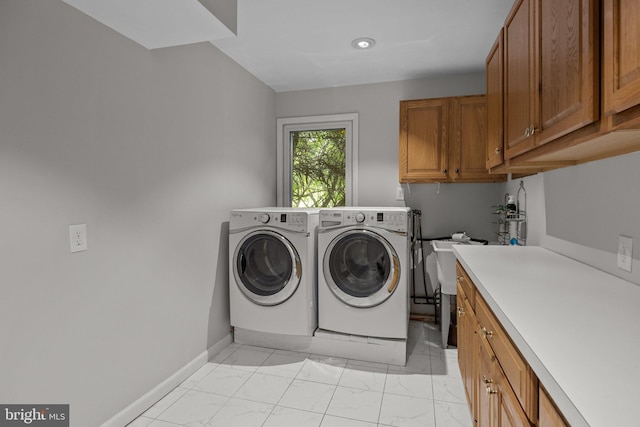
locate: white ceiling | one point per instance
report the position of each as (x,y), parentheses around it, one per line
(306,44)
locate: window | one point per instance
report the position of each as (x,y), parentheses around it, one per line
(317,161)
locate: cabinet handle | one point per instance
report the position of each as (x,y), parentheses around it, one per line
(491,391)
(526,132)
(445,171)
(460,311)
(485,333)
(458,171)
(487,380)
(498,151)
(459,279)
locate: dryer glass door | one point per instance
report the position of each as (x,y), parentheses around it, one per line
(267,267)
(361,268)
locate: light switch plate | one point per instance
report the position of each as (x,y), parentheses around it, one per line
(625,253)
(399,193)
(77,238)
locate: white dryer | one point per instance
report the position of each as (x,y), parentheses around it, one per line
(273,270)
(364,266)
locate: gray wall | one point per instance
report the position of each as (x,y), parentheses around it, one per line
(446,208)
(588,206)
(580,211)
(592,204)
(454,207)
(148,148)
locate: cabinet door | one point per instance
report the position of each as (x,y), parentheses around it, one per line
(519,73)
(468,140)
(423,154)
(569,68)
(549,416)
(510,413)
(621,62)
(487,413)
(467,344)
(495,91)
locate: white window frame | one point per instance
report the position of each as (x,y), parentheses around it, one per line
(285,126)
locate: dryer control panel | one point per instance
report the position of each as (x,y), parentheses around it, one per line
(384,219)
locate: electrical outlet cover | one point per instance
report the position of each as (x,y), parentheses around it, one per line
(625,253)
(77,238)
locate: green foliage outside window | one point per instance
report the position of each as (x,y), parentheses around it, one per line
(319,168)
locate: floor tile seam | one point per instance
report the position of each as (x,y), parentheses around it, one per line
(335,384)
(411,396)
(218,410)
(298,409)
(276,375)
(167,408)
(450,402)
(408,395)
(360,389)
(347,418)
(285,392)
(208,420)
(268,416)
(224,395)
(438,397)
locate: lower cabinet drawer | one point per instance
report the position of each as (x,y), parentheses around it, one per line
(518,373)
(467,285)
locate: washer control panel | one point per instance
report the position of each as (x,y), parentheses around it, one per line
(294,221)
(388,220)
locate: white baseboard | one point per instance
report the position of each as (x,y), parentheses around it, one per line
(136,408)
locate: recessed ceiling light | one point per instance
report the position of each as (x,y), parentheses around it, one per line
(363,43)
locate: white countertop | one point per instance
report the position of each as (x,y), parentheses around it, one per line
(578,328)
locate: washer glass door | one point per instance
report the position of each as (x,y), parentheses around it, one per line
(361,268)
(267,267)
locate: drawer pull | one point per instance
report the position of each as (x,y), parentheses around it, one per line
(487,380)
(490,391)
(486,334)
(460,311)
(459,279)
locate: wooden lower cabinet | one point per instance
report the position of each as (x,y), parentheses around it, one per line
(467,343)
(501,387)
(510,413)
(549,416)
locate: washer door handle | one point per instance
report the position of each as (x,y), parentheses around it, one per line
(243,262)
(396,275)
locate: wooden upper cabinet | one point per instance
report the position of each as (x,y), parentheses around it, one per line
(568,69)
(423,149)
(519,73)
(469,140)
(444,140)
(621,55)
(551,71)
(495,111)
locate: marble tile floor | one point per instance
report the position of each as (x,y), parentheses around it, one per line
(248,386)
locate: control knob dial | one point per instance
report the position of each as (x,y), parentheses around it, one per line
(264,218)
(360,217)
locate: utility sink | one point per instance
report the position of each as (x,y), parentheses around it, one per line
(446,262)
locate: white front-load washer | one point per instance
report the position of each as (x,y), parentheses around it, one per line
(273,270)
(363,271)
